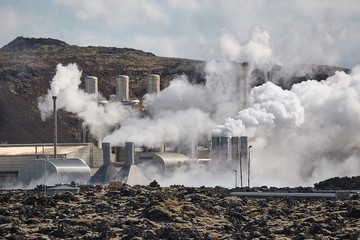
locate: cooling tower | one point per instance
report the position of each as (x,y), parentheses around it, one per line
(91,84)
(153,84)
(122,88)
(215,148)
(225,153)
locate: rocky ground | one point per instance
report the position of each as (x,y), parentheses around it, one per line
(176,212)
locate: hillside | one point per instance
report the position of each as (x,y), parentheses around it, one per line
(27,65)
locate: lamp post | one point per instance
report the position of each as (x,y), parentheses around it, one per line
(249,167)
(241,177)
(235,178)
(55,126)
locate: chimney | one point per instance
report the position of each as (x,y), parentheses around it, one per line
(235,149)
(129,154)
(107,172)
(215,148)
(130,173)
(225,148)
(106,154)
(245,84)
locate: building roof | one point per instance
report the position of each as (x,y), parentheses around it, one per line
(41,149)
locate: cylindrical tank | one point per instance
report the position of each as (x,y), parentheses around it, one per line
(91,84)
(57,171)
(153,84)
(122,87)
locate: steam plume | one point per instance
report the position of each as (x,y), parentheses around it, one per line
(65,85)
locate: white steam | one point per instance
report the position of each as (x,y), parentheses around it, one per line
(256,50)
(303,135)
(299,136)
(98,117)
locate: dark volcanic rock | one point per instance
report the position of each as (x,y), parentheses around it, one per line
(175,212)
(337,183)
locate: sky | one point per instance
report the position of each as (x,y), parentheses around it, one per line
(300,31)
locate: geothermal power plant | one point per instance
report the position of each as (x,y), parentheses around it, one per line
(91,161)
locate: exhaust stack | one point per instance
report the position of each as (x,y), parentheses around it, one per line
(130,173)
(215,148)
(107,172)
(235,149)
(225,148)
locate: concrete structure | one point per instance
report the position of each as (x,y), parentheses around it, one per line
(163,161)
(91,84)
(57,171)
(122,88)
(130,173)
(153,84)
(107,172)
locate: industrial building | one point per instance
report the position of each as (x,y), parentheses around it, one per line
(24,161)
(15,156)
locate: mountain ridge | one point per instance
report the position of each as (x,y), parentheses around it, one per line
(27,66)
